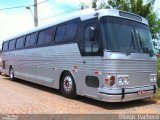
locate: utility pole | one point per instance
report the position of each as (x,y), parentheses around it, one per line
(35,13)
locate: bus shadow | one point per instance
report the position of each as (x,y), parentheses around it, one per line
(34,85)
(116,105)
(83,99)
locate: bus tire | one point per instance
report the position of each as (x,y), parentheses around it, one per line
(68,86)
(11,73)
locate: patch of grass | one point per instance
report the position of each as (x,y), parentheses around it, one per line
(158,72)
(158,78)
(157,96)
(158,64)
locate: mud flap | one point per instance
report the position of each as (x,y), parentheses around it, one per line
(123,93)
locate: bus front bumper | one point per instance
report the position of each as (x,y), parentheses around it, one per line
(126,94)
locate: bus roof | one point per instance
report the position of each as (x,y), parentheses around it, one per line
(84,15)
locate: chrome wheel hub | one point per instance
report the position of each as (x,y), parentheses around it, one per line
(67,84)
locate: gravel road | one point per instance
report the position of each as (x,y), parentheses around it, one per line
(21,97)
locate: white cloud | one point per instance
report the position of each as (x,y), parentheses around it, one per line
(70,2)
(157,6)
(12,22)
(47,10)
(15,22)
(62,1)
(74,3)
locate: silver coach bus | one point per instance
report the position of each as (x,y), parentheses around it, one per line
(103,54)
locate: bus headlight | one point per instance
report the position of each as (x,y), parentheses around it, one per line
(120,81)
(123,80)
(153,78)
(126,80)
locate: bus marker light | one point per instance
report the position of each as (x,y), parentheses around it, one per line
(74,70)
(75,66)
(98,73)
(54,68)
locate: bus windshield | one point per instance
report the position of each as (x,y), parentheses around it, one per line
(126,35)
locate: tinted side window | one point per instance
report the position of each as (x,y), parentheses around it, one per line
(20,42)
(12,44)
(90,42)
(45,36)
(60,33)
(33,39)
(41,38)
(48,35)
(70,31)
(91,46)
(30,40)
(5,46)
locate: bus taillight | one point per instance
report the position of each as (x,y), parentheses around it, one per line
(112,80)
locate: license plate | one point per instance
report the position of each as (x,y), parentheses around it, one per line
(141,92)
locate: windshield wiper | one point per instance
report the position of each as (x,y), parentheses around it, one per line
(131,44)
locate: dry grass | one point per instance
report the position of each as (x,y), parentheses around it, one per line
(157,96)
(158,78)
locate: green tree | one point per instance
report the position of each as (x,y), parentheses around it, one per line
(83,6)
(119,4)
(141,8)
(154,24)
(94,3)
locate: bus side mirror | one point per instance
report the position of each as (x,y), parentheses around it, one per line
(92,33)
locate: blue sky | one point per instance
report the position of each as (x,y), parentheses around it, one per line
(16,20)
(47,9)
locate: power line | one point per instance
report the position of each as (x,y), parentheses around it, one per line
(23,6)
(59,14)
(12,8)
(40,2)
(56,15)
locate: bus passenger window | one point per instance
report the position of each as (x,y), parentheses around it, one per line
(41,38)
(20,42)
(45,36)
(70,31)
(12,44)
(33,39)
(60,33)
(5,46)
(30,40)
(48,35)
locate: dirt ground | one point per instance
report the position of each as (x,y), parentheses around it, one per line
(21,97)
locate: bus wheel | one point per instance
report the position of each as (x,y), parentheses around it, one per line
(68,87)
(11,74)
